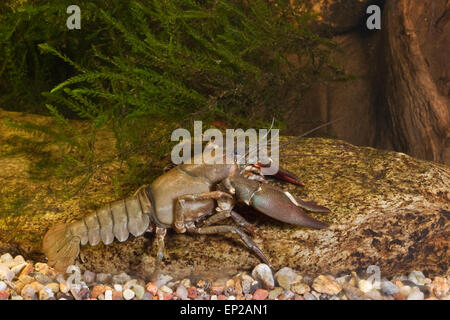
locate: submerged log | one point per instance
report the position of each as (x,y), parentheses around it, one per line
(388,209)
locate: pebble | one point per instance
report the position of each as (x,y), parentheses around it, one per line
(42,278)
(162,279)
(365,286)
(273,294)
(89,277)
(45,270)
(374,294)
(326,284)
(246,286)
(53,286)
(5,258)
(286,295)
(147,296)
(416,294)
(440,287)
(117,295)
(300,288)
(186,283)
(286,276)
(103,277)
(97,290)
(128,294)
(27,270)
(108,294)
(388,288)
(5,273)
(19,259)
(260,294)
(417,277)
(153,289)
(40,281)
(309,296)
(45,294)
(263,273)
(353,293)
(64,287)
(182,292)
(28,292)
(139,291)
(166,289)
(238,288)
(192,292)
(405,291)
(121,278)
(18,268)
(4,295)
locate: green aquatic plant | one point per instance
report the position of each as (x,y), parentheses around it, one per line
(159,65)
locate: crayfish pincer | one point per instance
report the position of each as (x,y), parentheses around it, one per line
(190,198)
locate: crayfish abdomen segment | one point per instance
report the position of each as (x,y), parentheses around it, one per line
(115,220)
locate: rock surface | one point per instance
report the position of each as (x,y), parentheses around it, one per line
(388,209)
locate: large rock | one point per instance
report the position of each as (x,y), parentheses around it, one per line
(387,208)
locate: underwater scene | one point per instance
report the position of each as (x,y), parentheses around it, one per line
(225,150)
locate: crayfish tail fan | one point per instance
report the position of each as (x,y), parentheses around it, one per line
(60,247)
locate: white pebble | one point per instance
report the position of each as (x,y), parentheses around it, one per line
(182,292)
(365,286)
(19,259)
(166,289)
(231,298)
(118,287)
(162,280)
(263,274)
(5,273)
(416,294)
(405,291)
(6,258)
(214,297)
(417,277)
(18,268)
(108,294)
(127,294)
(2,286)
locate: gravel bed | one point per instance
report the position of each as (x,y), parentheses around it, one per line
(25,280)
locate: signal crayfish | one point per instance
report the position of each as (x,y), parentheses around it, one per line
(189,198)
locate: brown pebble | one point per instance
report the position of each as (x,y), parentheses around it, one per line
(398,296)
(26,270)
(221,297)
(216,290)
(326,284)
(151,288)
(97,290)
(440,287)
(117,295)
(238,288)
(353,293)
(260,294)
